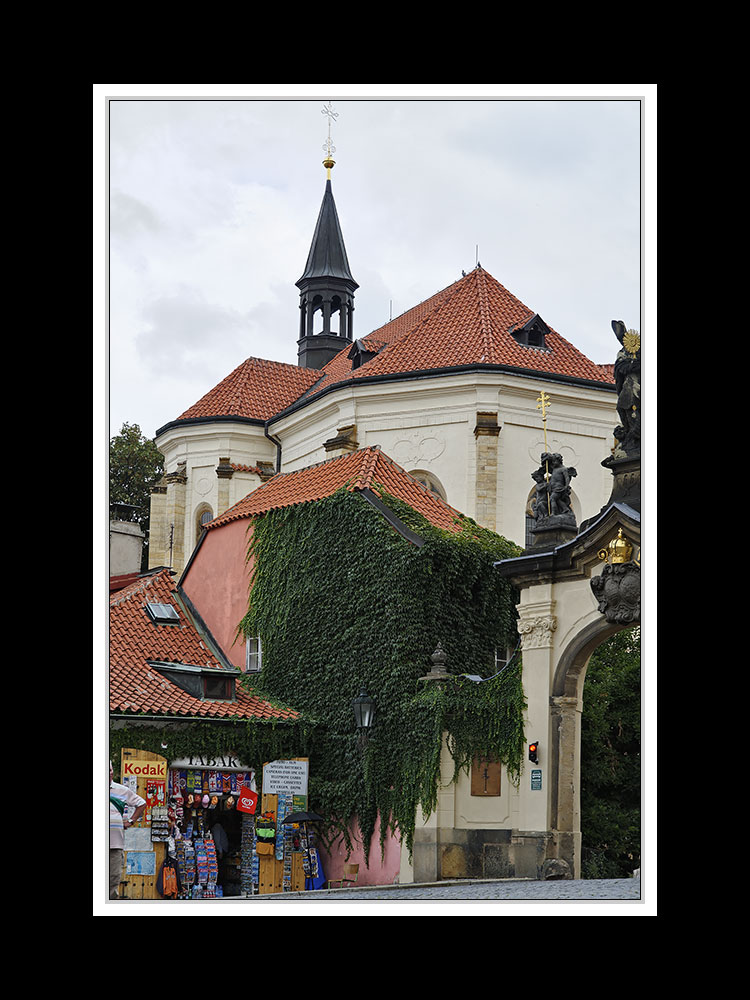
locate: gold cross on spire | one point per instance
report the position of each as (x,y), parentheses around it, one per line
(543,404)
(328,146)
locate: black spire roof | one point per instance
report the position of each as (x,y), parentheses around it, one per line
(327,257)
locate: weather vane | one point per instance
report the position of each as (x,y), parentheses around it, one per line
(328,146)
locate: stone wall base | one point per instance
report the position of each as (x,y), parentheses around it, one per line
(440,855)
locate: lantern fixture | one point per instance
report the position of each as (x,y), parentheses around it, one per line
(363,707)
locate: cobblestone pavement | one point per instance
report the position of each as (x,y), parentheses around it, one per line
(594,890)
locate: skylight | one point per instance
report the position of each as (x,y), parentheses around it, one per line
(163,614)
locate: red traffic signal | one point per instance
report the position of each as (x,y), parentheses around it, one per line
(534,752)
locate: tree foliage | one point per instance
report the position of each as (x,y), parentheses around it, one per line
(611,759)
(135,466)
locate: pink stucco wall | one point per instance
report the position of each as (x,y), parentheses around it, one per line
(218,582)
(381,871)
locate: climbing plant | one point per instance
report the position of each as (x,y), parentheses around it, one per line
(341,601)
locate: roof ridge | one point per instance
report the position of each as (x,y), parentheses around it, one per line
(139,585)
(370,455)
(485,322)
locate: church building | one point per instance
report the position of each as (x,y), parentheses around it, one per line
(449,391)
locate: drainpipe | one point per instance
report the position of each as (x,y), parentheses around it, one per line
(275,441)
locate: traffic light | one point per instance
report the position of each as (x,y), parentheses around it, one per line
(534,752)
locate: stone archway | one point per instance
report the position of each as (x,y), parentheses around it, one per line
(568,606)
(566,712)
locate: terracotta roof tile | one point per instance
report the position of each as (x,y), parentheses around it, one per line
(468,323)
(256,389)
(365,468)
(135,640)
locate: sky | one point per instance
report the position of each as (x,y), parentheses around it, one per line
(211,195)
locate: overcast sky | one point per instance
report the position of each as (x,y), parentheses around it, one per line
(213,196)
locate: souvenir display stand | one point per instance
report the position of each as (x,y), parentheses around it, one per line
(146,840)
(206,834)
(208,844)
(288,858)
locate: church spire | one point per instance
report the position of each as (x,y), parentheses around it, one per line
(326,286)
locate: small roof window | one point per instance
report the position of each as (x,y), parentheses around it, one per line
(163,614)
(533,333)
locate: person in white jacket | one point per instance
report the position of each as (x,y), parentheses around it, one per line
(121,798)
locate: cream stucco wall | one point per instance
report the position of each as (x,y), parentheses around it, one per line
(192,455)
(429,425)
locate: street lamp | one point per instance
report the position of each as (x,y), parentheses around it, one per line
(363,707)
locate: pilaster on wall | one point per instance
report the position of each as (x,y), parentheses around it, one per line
(167,527)
(224,473)
(537,624)
(158,531)
(566,712)
(486,433)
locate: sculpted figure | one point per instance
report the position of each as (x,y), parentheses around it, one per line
(552,480)
(628,384)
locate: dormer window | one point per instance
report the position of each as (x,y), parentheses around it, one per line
(533,333)
(218,688)
(204,683)
(359,354)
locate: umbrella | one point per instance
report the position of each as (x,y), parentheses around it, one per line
(304,818)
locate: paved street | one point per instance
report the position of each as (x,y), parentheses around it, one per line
(570,890)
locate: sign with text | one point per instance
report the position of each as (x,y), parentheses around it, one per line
(288,776)
(144,768)
(536,779)
(217,762)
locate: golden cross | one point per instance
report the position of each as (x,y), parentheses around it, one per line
(543,404)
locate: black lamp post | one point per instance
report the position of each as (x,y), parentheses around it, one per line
(364,714)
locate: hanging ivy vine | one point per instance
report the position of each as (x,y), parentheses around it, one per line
(340,601)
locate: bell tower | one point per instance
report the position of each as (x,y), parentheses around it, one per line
(326,286)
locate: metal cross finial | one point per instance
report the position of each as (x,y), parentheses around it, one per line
(328,146)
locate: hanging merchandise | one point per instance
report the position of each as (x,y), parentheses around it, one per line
(265,833)
(160,824)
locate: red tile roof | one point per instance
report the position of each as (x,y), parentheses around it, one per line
(366,468)
(137,687)
(256,389)
(467,323)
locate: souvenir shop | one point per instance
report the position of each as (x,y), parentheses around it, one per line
(214,835)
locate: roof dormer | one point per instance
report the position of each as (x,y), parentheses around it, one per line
(533,333)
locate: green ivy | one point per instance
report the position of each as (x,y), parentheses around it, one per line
(341,600)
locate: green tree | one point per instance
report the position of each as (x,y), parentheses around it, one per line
(135,466)
(611,759)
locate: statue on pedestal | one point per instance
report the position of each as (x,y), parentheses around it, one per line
(552,480)
(628,385)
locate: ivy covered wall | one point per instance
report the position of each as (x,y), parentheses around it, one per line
(340,601)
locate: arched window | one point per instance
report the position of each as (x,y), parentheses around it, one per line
(432,483)
(203,515)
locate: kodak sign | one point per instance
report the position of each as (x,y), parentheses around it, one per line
(144,769)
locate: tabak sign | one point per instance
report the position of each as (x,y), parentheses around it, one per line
(144,769)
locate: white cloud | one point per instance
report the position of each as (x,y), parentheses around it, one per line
(213,205)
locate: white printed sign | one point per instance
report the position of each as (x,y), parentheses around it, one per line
(288,776)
